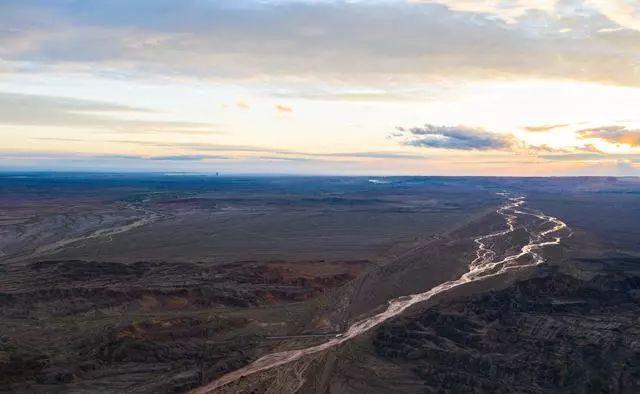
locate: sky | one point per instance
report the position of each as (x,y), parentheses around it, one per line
(378,87)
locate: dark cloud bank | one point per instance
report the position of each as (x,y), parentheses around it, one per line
(453,137)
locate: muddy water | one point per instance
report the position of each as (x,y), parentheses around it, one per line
(486,264)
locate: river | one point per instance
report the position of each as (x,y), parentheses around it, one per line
(486,264)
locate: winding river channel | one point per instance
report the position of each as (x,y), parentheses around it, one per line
(543,231)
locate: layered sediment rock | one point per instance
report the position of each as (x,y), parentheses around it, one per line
(551,334)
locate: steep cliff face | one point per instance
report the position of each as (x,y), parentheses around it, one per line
(551,334)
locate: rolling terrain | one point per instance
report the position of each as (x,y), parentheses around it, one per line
(152,283)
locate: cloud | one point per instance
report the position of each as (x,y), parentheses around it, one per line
(586,151)
(612,134)
(544,149)
(544,128)
(352,41)
(261,151)
(283,108)
(508,10)
(360,94)
(601,165)
(372,155)
(591,148)
(53,111)
(585,156)
(188,157)
(454,137)
(624,12)
(91,156)
(58,155)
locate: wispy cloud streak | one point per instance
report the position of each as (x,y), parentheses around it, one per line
(53,111)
